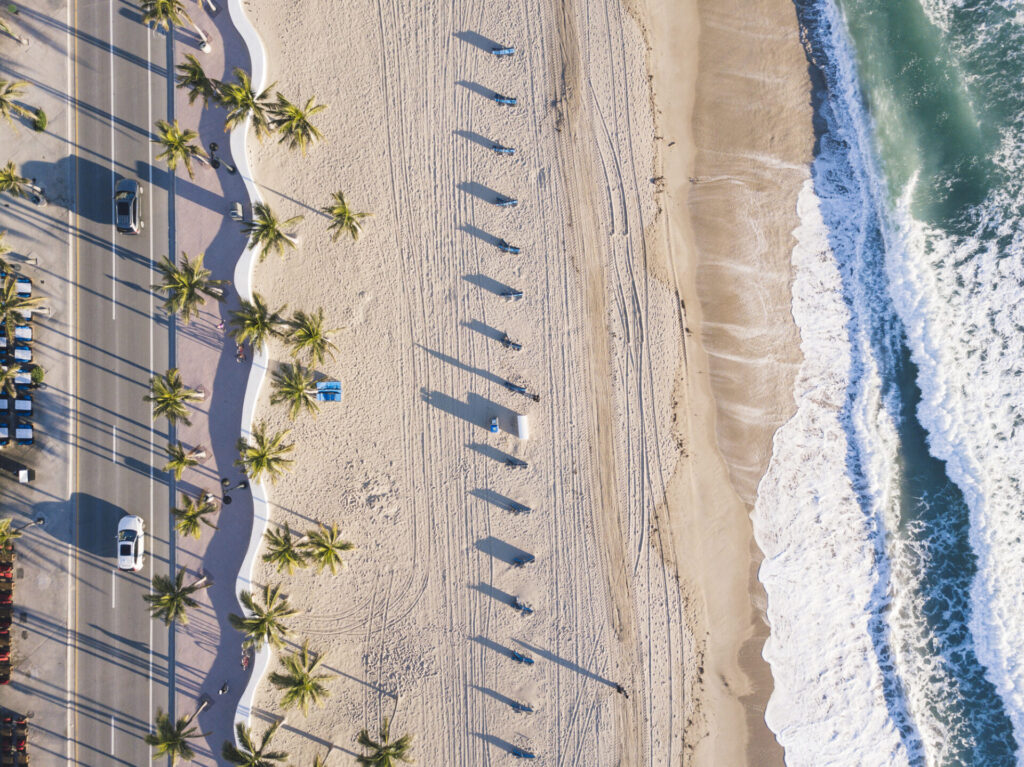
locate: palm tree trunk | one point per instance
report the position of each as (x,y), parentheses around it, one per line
(198,453)
(205,45)
(213,8)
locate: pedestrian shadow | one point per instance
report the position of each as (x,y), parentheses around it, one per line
(475,138)
(494,498)
(488,451)
(480,234)
(486,375)
(567,664)
(480,191)
(478,89)
(494,740)
(499,549)
(484,282)
(494,694)
(485,330)
(494,593)
(477,40)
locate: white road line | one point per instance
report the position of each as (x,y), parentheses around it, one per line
(152,489)
(69,660)
(113,600)
(111,734)
(113,175)
(113,444)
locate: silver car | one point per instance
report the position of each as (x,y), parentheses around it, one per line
(128,206)
(131,544)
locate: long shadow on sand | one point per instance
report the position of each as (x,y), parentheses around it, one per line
(477,40)
(486,283)
(539,653)
(497,548)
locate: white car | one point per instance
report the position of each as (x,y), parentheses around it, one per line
(131,536)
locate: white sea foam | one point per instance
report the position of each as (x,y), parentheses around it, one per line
(823,572)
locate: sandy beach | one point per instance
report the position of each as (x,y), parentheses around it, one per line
(653,370)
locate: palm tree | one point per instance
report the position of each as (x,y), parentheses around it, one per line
(178,145)
(186,285)
(243,102)
(8,533)
(300,682)
(19,186)
(167,14)
(193,77)
(169,396)
(262,454)
(308,336)
(170,599)
(263,624)
(267,232)
(179,459)
(283,551)
(171,739)
(193,513)
(9,91)
(250,754)
(14,309)
(295,387)
(385,753)
(326,546)
(293,122)
(4,250)
(343,219)
(255,323)
(8,377)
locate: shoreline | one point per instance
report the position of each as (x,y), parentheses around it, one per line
(698,59)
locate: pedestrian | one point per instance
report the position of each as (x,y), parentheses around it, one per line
(220,325)
(223,689)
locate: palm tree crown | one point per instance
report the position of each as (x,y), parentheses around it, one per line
(242,101)
(179,459)
(9,91)
(9,379)
(293,123)
(283,551)
(17,185)
(179,145)
(171,599)
(255,323)
(171,738)
(193,513)
(299,680)
(14,309)
(344,220)
(384,753)
(308,336)
(267,232)
(170,396)
(8,533)
(186,285)
(264,454)
(294,387)
(193,77)
(263,624)
(167,14)
(251,754)
(326,546)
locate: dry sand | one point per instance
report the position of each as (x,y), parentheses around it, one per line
(643,549)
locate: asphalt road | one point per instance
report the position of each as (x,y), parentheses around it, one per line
(120,667)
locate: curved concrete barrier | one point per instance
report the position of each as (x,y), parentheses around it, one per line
(257,373)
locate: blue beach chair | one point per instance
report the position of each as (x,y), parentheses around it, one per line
(503,51)
(499,149)
(506,202)
(328,391)
(507,101)
(504,247)
(23,433)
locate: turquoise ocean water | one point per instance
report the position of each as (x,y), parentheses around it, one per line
(892,514)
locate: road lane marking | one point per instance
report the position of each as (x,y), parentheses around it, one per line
(72,53)
(152,229)
(113,591)
(113,175)
(111,734)
(113,444)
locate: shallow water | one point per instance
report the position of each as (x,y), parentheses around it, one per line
(890,515)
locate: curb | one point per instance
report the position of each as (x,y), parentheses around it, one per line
(243,284)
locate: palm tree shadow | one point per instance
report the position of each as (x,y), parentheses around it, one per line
(284,196)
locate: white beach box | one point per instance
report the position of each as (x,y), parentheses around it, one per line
(522,427)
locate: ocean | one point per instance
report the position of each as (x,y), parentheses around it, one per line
(891,516)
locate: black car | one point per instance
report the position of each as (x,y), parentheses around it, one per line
(127,207)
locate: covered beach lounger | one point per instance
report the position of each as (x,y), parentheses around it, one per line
(23,378)
(23,333)
(5,435)
(23,434)
(328,391)
(23,405)
(22,353)
(24,286)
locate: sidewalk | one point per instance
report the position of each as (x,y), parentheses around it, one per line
(208,649)
(39,238)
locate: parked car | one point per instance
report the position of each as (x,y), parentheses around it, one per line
(131,536)
(127,206)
